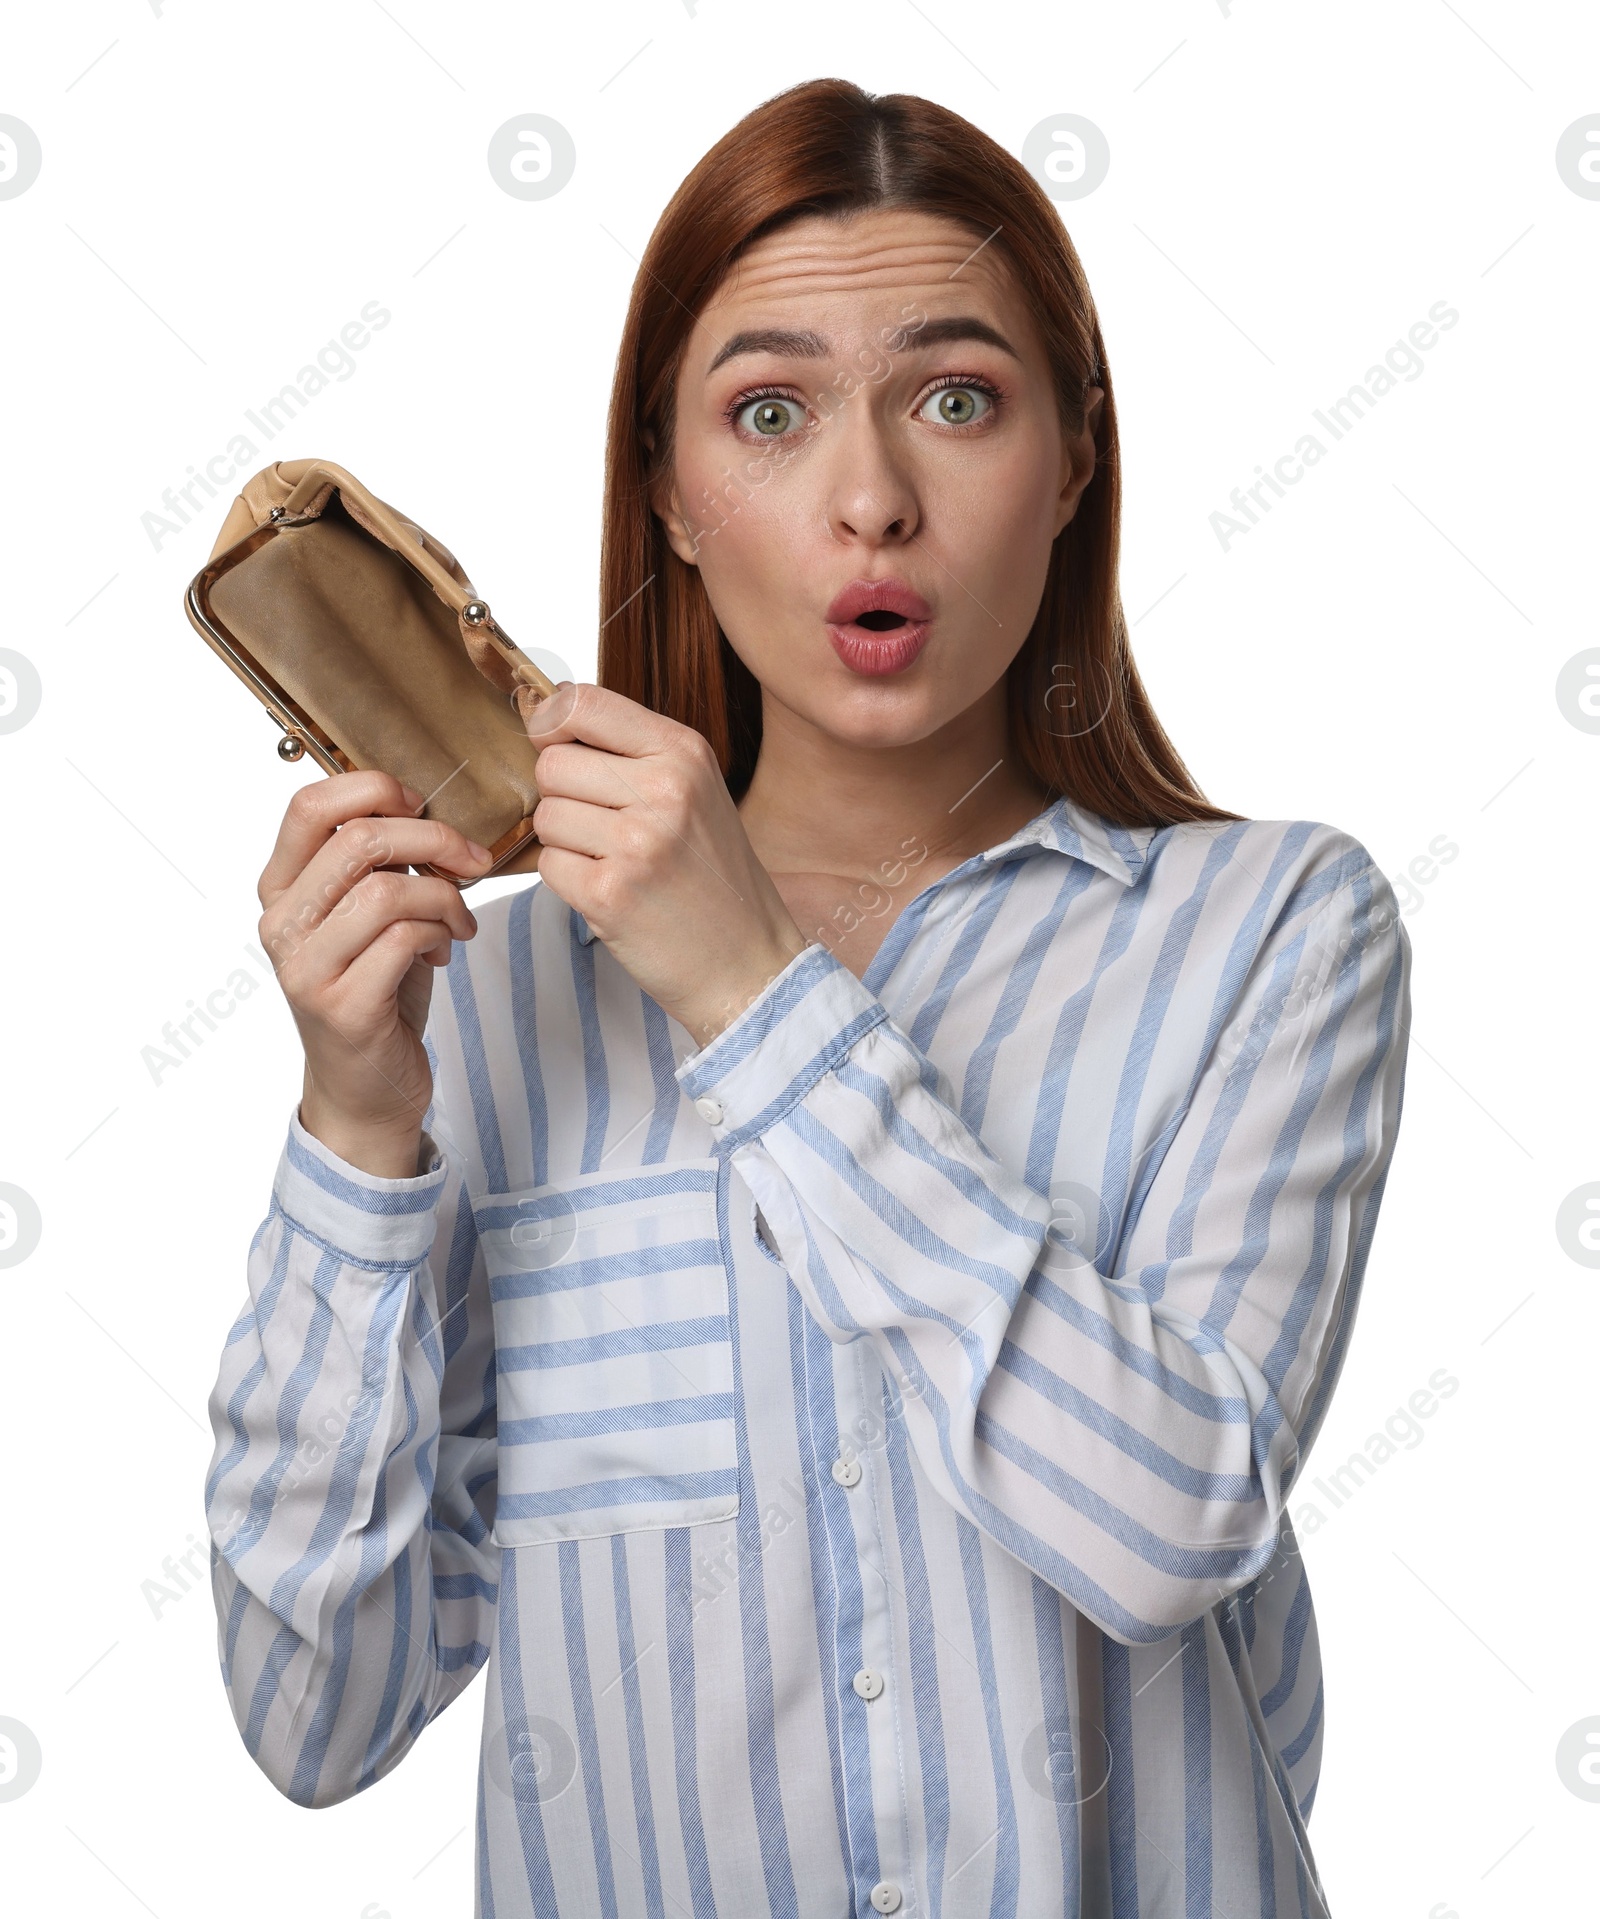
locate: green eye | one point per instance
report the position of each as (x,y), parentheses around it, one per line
(956,405)
(768,417)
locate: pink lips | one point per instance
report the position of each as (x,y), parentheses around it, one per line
(900,620)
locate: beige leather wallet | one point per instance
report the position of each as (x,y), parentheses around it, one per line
(364,639)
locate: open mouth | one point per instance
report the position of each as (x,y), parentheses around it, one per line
(878,626)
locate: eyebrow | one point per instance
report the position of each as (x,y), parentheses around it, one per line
(792,345)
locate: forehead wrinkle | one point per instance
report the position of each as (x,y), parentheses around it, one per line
(806,344)
(762,309)
(830,276)
(852,265)
(936,236)
(841,261)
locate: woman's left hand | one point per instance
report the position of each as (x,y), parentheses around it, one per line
(641,836)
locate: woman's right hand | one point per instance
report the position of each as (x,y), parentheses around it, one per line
(354,944)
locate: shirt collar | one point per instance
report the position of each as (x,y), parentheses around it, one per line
(1063,827)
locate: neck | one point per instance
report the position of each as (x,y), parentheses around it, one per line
(818,804)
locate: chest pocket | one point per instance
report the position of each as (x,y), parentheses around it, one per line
(612,1351)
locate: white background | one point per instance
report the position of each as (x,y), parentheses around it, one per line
(1291,188)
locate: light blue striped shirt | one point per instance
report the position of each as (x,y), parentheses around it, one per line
(859,1449)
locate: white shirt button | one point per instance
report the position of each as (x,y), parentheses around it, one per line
(869,1684)
(885,1896)
(710,1110)
(846,1471)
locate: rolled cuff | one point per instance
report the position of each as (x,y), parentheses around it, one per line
(371,1221)
(797,1030)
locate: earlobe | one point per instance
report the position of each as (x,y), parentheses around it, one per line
(1078,459)
(664,503)
(679,535)
(1078,476)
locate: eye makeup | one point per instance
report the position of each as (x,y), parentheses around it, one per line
(944,382)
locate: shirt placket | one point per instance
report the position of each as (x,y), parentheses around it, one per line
(875,1705)
(873,1685)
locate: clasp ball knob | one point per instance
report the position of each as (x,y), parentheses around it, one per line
(291,748)
(474,612)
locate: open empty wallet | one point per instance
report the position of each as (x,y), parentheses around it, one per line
(366,642)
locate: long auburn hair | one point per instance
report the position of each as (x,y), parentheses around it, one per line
(1077,712)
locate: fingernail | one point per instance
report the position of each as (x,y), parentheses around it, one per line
(478,852)
(552,710)
(412,796)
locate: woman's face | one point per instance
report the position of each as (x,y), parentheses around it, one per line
(869,470)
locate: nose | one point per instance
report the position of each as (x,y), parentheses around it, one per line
(872,498)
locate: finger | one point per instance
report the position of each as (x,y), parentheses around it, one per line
(575,826)
(374,976)
(356,849)
(529,700)
(321,951)
(572,770)
(603,718)
(361,846)
(319,810)
(568,876)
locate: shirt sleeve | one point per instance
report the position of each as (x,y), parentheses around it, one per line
(1127,1424)
(352,1485)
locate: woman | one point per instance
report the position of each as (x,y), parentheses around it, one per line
(831,1309)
